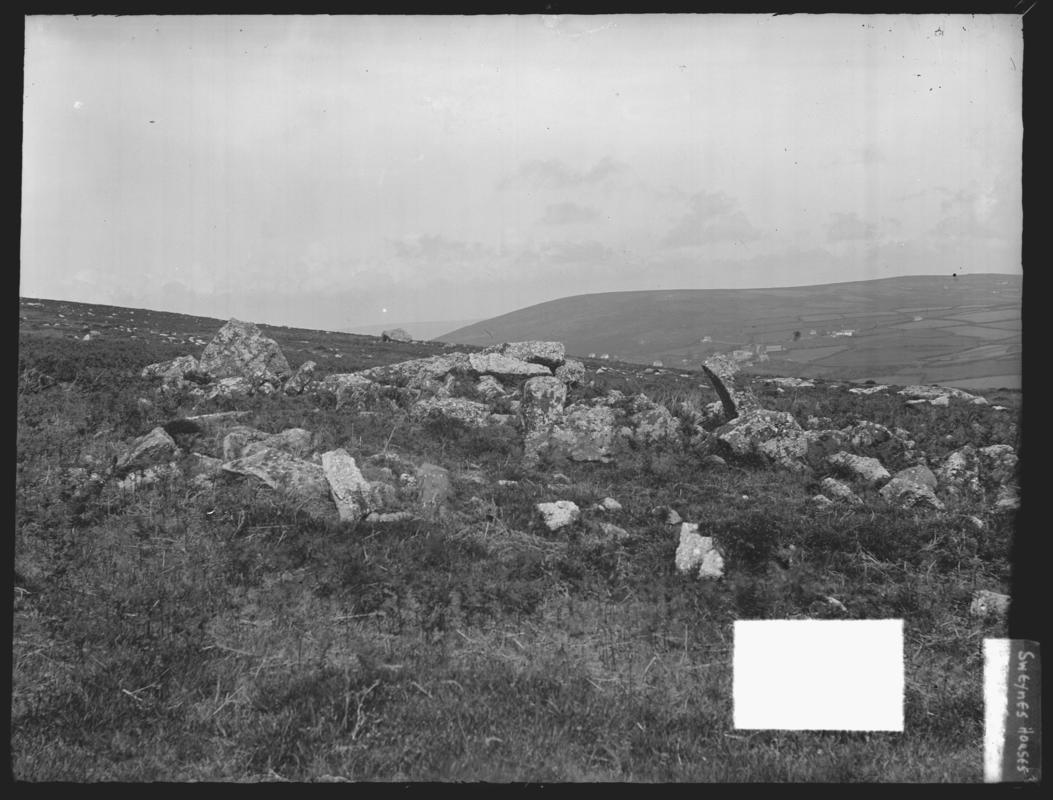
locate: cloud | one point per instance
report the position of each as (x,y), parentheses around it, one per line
(569,214)
(711,218)
(436,247)
(848,227)
(557,174)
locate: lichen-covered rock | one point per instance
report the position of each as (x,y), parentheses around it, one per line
(239,350)
(434,482)
(489,388)
(558,514)
(912,488)
(173,371)
(349,489)
(571,372)
(862,468)
(468,412)
(395,335)
(998,464)
(230,389)
(347,388)
(140,479)
(586,433)
(655,424)
(542,408)
(419,373)
(550,354)
(237,439)
(295,441)
(279,470)
(154,448)
(504,366)
(835,490)
(300,379)
(960,473)
(774,435)
(697,553)
(610,504)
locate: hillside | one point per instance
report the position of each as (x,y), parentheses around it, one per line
(962,331)
(418,562)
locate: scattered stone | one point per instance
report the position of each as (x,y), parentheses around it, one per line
(295,441)
(1008,498)
(349,489)
(714,461)
(821,500)
(153,448)
(489,388)
(140,479)
(863,468)
(237,439)
(610,504)
(419,373)
(791,383)
(613,532)
(835,490)
(300,379)
(173,371)
(346,387)
(998,463)
(696,552)
(942,400)
(239,350)
(986,604)
(654,425)
(559,514)
(868,389)
(507,483)
(282,471)
(960,472)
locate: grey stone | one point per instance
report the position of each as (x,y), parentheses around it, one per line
(240,350)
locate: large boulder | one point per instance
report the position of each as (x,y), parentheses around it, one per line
(585,433)
(346,387)
(395,335)
(239,350)
(156,447)
(349,489)
(419,373)
(468,412)
(503,366)
(300,379)
(550,354)
(655,424)
(867,470)
(304,480)
(571,372)
(912,488)
(775,436)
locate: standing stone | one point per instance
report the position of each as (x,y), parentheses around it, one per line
(350,490)
(434,482)
(542,408)
(240,350)
(696,552)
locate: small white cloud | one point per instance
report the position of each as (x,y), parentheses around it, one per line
(77,105)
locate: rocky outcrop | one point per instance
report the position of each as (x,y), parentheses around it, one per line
(239,350)
(419,373)
(571,372)
(348,388)
(174,371)
(959,475)
(395,335)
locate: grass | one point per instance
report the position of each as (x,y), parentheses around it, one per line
(181,633)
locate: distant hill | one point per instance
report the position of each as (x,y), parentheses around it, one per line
(961,331)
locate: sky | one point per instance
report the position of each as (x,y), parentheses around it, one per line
(332,172)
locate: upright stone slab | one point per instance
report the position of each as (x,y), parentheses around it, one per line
(349,488)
